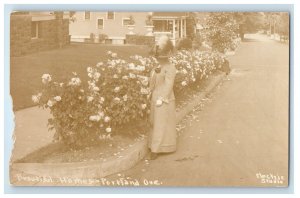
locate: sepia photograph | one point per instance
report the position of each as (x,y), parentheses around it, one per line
(143,99)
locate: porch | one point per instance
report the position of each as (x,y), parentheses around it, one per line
(170,24)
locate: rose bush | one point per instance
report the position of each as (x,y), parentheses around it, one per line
(116,93)
(193,66)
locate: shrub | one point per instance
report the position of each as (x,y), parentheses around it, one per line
(116,93)
(197,42)
(184,43)
(102,37)
(193,66)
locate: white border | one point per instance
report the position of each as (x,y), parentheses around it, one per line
(296,77)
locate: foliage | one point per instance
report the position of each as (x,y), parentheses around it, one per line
(102,37)
(191,25)
(131,20)
(116,93)
(184,43)
(197,41)
(193,66)
(221,31)
(149,20)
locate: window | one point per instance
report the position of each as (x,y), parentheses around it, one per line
(126,21)
(110,15)
(34,29)
(87,15)
(100,23)
(163,25)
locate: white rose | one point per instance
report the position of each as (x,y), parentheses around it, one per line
(75,81)
(115,76)
(35,98)
(90,98)
(57,98)
(99,64)
(114,55)
(96,88)
(101,114)
(106,119)
(50,103)
(183,83)
(95,118)
(159,102)
(89,70)
(46,78)
(102,99)
(131,66)
(96,75)
(144,91)
(125,77)
(109,52)
(132,75)
(108,129)
(144,106)
(117,89)
(125,97)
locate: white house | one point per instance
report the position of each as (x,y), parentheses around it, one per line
(117,24)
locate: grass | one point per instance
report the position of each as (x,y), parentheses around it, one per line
(60,153)
(26,71)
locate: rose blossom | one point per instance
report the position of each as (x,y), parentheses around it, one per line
(117,89)
(96,88)
(35,98)
(102,100)
(159,102)
(144,106)
(106,119)
(125,97)
(50,103)
(183,83)
(99,64)
(108,129)
(75,81)
(46,78)
(57,98)
(94,118)
(90,98)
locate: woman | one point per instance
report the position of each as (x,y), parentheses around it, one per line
(162,138)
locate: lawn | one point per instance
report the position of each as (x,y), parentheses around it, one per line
(26,71)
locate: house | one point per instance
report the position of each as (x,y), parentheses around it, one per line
(36,31)
(116,25)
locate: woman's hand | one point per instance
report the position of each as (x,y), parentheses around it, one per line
(160,101)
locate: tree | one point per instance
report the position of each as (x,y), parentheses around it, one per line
(221,31)
(191,25)
(249,22)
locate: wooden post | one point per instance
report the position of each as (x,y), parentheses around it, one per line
(174,31)
(181,29)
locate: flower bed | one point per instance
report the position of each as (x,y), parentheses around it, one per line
(193,66)
(115,96)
